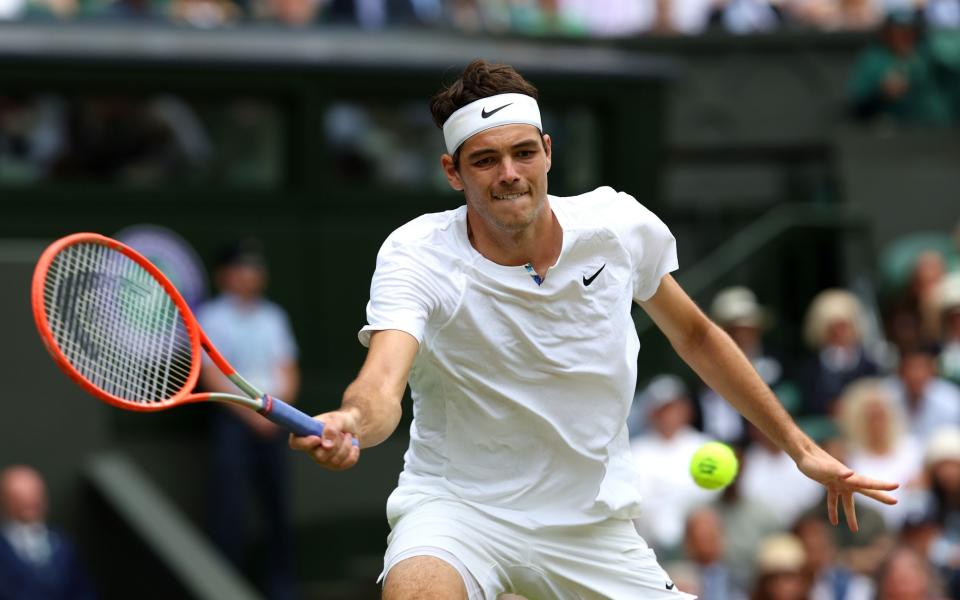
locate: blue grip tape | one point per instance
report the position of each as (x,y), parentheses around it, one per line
(292,419)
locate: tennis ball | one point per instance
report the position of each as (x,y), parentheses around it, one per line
(714,465)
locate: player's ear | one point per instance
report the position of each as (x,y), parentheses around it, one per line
(450,170)
(548,150)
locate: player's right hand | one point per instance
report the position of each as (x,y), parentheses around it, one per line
(335,450)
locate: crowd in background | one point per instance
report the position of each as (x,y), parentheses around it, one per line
(610,18)
(879,390)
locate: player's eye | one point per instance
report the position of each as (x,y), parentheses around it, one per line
(484,162)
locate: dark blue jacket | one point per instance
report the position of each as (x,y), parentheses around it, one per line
(61,578)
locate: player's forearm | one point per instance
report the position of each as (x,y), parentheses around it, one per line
(376,412)
(723,367)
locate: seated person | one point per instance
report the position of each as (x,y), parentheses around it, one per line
(36,562)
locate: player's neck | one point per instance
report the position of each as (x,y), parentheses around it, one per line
(539,244)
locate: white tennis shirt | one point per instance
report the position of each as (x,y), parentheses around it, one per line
(521,391)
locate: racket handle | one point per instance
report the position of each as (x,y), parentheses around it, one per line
(292,419)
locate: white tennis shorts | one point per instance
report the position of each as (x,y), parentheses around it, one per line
(607,560)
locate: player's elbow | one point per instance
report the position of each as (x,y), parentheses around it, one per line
(693,338)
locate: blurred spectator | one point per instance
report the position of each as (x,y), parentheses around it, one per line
(829,579)
(877,442)
(928,274)
(37,562)
(780,564)
(613,18)
(249,452)
(935,530)
(205,14)
(763,463)
(906,576)
(465,15)
(38,9)
(929,401)
(366,14)
(941,13)
(128,10)
(859,15)
(292,13)
(683,17)
(31,136)
(377,14)
(896,78)
(748,16)
(737,311)
(836,15)
(662,455)
(833,329)
(948,327)
(923,534)
(704,545)
(912,320)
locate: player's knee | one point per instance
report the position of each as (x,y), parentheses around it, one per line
(424,578)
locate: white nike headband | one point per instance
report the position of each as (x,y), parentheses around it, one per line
(493,111)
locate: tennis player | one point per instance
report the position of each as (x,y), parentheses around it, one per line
(510,318)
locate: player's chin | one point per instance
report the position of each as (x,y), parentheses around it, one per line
(516,220)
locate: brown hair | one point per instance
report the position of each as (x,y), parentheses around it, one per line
(479,80)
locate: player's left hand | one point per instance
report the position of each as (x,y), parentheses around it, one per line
(841,483)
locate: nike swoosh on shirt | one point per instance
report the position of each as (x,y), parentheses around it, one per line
(486,115)
(670,585)
(588,280)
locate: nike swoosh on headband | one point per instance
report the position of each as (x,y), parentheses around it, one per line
(486,115)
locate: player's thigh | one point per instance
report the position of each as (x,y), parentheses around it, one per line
(604,560)
(424,578)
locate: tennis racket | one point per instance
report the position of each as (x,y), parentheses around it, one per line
(117,326)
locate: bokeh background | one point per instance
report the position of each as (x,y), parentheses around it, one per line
(793,146)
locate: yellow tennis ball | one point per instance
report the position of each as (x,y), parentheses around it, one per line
(714,465)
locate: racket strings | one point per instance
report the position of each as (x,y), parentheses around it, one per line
(116,325)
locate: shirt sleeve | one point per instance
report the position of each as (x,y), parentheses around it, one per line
(652,248)
(402,294)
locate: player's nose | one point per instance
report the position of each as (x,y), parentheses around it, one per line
(508,171)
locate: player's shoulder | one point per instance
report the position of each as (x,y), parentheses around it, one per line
(602,207)
(427,232)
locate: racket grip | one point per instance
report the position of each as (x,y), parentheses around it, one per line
(292,419)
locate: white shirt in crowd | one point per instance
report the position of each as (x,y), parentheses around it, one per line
(773,479)
(31,541)
(904,463)
(939,405)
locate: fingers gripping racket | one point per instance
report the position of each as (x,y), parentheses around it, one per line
(117,326)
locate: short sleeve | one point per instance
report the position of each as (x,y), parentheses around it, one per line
(652,248)
(402,293)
